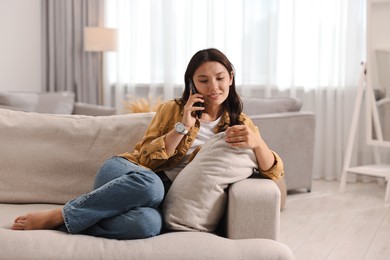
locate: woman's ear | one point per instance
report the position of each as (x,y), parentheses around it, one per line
(231,77)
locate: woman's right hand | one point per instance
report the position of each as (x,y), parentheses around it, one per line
(173,138)
(189,115)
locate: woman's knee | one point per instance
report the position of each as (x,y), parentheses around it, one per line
(146,181)
(110,170)
(149,222)
(154,189)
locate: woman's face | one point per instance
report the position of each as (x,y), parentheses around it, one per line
(212,80)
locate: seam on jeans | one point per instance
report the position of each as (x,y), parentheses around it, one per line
(66,221)
(84,199)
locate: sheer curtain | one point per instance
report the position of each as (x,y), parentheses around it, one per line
(308,49)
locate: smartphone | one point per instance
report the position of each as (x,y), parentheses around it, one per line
(197,104)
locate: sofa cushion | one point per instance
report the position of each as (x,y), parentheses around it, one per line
(51,244)
(48,158)
(196,199)
(41,102)
(257,106)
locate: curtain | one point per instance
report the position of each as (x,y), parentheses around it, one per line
(66,67)
(308,49)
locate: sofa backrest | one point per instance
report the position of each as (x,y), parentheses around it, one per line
(46,158)
(41,102)
(259,106)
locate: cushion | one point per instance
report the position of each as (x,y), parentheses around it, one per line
(197,199)
(45,102)
(52,244)
(48,158)
(258,106)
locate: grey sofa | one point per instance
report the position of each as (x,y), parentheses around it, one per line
(48,159)
(51,102)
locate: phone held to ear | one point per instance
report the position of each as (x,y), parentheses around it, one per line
(197,104)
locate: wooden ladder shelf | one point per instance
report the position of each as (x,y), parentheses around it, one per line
(378,169)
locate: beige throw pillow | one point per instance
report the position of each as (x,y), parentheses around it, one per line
(197,197)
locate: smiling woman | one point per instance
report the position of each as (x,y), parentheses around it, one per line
(307,49)
(212,82)
(130,186)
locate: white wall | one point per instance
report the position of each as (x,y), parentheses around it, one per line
(378,39)
(20,45)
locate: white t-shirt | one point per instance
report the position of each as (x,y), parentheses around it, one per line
(205,132)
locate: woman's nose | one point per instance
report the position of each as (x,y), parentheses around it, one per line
(213,84)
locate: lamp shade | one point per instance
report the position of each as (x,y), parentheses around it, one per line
(100,39)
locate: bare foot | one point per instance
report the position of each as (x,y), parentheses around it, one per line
(39,220)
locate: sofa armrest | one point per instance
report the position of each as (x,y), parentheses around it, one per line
(253,209)
(292,136)
(92,110)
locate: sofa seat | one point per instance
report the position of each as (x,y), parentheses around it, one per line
(49,244)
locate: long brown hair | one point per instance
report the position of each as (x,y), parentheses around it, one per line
(233,104)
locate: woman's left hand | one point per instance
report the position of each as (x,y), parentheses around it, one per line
(242,136)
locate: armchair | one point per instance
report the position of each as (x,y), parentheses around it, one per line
(288,131)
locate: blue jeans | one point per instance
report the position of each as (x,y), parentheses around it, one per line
(123,205)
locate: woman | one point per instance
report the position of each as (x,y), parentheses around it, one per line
(129,188)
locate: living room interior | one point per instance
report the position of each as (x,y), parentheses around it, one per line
(326,66)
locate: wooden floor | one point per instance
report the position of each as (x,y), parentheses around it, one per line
(326,224)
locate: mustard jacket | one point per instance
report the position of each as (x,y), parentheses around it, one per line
(150,151)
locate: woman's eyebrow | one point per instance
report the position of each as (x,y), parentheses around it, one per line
(217,74)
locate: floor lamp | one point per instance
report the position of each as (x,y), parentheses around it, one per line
(99,39)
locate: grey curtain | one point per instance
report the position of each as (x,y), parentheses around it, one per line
(66,67)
